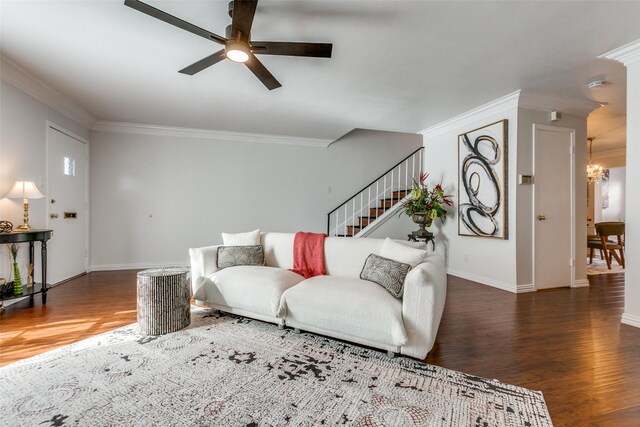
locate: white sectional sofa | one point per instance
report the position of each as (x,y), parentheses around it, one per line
(339,305)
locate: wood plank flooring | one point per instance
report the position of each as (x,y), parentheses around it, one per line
(569,343)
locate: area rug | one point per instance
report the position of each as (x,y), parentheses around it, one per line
(599,266)
(230,371)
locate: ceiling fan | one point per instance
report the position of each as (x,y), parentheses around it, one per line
(238,46)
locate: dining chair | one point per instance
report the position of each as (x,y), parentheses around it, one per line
(606,231)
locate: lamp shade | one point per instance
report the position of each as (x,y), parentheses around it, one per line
(24,190)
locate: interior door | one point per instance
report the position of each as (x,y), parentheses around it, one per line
(67,204)
(553,207)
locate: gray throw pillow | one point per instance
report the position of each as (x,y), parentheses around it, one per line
(385,272)
(231,256)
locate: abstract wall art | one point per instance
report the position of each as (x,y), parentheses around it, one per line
(605,189)
(482,178)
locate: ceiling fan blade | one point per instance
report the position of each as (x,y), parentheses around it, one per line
(318,50)
(262,73)
(242,18)
(170,19)
(207,62)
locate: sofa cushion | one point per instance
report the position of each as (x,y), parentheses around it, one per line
(278,249)
(348,306)
(385,272)
(256,289)
(402,253)
(249,238)
(231,256)
(345,256)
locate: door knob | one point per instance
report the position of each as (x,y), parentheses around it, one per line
(53,216)
(542,217)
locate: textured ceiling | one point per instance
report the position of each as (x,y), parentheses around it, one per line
(396,65)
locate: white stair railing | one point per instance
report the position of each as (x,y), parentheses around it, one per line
(363,212)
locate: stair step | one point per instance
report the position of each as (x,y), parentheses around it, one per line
(376,212)
(400,193)
(389,202)
(352,230)
(363,221)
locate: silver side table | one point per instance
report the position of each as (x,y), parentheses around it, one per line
(164,297)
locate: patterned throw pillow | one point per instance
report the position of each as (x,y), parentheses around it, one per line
(231,256)
(385,272)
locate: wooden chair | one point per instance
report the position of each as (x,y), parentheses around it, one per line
(606,230)
(593,243)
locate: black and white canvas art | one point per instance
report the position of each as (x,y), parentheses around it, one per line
(482,192)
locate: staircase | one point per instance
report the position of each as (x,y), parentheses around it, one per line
(376,203)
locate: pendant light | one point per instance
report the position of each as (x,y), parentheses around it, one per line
(595,172)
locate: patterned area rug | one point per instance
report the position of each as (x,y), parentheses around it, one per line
(230,371)
(599,266)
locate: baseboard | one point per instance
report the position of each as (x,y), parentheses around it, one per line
(631,320)
(528,287)
(140,266)
(509,287)
(581,283)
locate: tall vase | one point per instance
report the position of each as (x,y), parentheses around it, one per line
(424,221)
(17,281)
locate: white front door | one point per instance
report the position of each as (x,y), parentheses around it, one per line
(66,204)
(553,207)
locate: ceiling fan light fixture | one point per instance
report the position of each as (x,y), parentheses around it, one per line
(237,51)
(596,84)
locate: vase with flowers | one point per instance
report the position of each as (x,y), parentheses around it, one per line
(426,204)
(17,280)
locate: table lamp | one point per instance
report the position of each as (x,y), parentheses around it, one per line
(25,190)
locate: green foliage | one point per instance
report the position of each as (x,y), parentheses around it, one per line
(432,202)
(17,280)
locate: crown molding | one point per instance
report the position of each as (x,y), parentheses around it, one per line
(477,114)
(627,54)
(17,76)
(548,103)
(216,135)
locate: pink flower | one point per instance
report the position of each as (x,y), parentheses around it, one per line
(423,177)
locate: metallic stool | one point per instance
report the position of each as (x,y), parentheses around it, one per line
(164,296)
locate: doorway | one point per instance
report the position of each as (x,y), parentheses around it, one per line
(67,203)
(553,207)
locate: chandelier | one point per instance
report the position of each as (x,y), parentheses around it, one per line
(594,171)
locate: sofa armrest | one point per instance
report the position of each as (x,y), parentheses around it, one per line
(425,291)
(204,261)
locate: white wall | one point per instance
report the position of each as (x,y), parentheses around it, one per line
(632,228)
(616,209)
(505,264)
(23,157)
(398,227)
(629,55)
(525,193)
(608,160)
(484,260)
(153,196)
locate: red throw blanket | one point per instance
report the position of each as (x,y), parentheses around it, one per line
(308,254)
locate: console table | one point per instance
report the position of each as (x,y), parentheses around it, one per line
(423,236)
(31,236)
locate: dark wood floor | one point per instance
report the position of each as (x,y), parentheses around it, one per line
(569,343)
